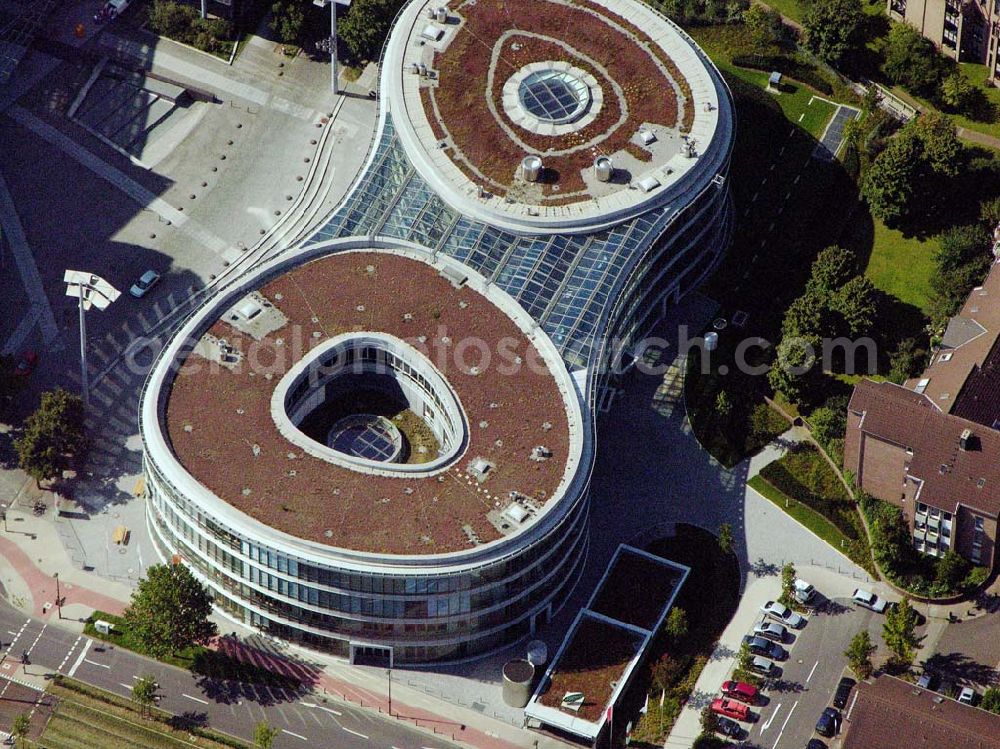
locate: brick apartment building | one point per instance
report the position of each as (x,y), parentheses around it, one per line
(932,446)
(968,30)
(890,713)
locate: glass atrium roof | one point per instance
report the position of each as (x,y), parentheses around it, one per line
(553,95)
(567,282)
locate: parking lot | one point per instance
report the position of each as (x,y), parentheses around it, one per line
(794,698)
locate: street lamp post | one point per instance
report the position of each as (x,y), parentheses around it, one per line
(334,78)
(389,672)
(90,290)
(58,597)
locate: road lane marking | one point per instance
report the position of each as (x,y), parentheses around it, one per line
(812,671)
(12,632)
(795,705)
(95,663)
(296,735)
(770,718)
(360,735)
(320,707)
(83,654)
(127,686)
(196,699)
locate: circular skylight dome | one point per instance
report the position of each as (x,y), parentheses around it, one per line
(555,96)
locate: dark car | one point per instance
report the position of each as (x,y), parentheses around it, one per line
(829,722)
(843,692)
(729,728)
(815,744)
(760,646)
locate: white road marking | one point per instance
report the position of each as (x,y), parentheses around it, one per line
(361,735)
(296,735)
(95,663)
(802,116)
(784,724)
(79,660)
(320,707)
(812,671)
(127,686)
(12,632)
(767,723)
(196,699)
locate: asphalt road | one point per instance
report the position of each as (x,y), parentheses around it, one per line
(304,719)
(795,700)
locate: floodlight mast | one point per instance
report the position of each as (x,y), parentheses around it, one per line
(90,290)
(334,78)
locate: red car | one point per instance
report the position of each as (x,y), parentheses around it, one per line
(741,691)
(731,709)
(26,364)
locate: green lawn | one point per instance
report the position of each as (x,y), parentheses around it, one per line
(902,266)
(788,8)
(798,102)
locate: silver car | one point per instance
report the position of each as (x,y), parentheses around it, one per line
(770,630)
(869,600)
(783,614)
(146,281)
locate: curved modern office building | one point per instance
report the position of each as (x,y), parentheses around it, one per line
(379,443)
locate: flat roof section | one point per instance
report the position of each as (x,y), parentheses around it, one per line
(219,422)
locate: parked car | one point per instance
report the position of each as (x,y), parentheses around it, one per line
(729,728)
(869,600)
(815,744)
(741,691)
(762,666)
(829,722)
(730,709)
(927,680)
(967,696)
(770,630)
(145,282)
(783,614)
(843,692)
(25,364)
(760,646)
(802,591)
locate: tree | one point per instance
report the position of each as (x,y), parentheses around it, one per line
(991,700)
(665,672)
(859,654)
(726,538)
(676,626)
(263,735)
(795,374)
(743,659)
(941,149)
(287,20)
(950,571)
(788,574)
(829,422)
(709,720)
(765,28)
(808,315)
(960,245)
(171,19)
(365,27)
(888,184)
(833,267)
(144,692)
(957,92)
(53,436)
(911,60)
(857,304)
(723,405)
(169,611)
(989,212)
(906,361)
(833,29)
(19,729)
(899,632)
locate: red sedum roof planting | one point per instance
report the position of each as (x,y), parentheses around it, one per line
(220,426)
(587,35)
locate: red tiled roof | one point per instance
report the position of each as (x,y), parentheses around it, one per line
(950,475)
(891,713)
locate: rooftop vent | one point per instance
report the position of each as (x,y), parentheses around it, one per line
(540,453)
(965,439)
(648,184)
(604,169)
(432,33)
(531,168)
(441,14)
(648,137)
(516,513)
(479,469)
(455,276)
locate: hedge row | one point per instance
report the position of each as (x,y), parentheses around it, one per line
(787,66)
